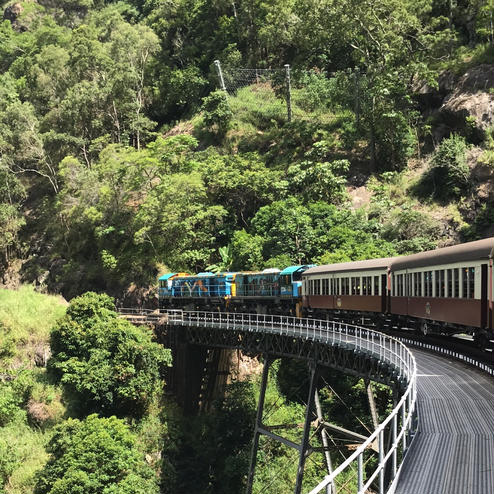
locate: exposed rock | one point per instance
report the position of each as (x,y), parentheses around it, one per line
(13,13)
(470,107)
(461,104)
(41,355)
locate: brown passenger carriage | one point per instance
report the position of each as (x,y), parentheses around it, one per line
(447,290)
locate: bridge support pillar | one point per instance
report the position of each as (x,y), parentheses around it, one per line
(308,420)
(258,427)
(261,429)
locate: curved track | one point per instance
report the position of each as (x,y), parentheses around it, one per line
(453,451)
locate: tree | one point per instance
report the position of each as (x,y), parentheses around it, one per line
(216,113)
(286,228)
(105,363)
(95,456)
(242,183)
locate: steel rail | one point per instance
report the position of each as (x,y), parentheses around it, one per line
(401,421)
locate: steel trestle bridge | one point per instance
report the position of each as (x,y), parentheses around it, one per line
(360,351)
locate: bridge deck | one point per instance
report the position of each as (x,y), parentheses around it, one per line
(454,449)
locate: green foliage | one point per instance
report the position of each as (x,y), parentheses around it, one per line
(97,455)
(22,454)
(210,453)
(226,260)
(412,230)
(448,175)
(26,315)
(246,251)
(216,113)
(319,181)
(105,363)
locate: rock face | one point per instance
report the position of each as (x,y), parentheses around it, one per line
(470,105)
(460,104)
(12,13)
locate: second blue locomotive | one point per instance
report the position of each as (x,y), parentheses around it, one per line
(271,290)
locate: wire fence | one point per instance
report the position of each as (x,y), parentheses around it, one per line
(283,94)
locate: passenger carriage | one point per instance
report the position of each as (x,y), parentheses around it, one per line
(348,289)
(446,290)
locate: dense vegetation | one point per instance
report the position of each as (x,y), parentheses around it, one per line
(119,159)
(100,188)
(104,363)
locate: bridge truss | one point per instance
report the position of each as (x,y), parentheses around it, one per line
(352,349)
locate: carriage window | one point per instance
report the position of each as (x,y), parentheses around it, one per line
(376,285)
(417,284)
(449,283)
(345,286)
(439,283)
(331,284)
(355,287)
(325,287)
(317,287)
(399,285)
(468,282)
(366,285)
(311,287)
(456,283)
(428,284)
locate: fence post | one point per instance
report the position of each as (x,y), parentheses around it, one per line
(356,77)
(220,75)
(288,93)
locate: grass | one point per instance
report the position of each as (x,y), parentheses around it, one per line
(27,447)
(26,318)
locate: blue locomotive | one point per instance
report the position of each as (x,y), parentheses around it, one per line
(265,291)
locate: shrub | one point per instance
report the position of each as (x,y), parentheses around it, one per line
(448,175)
(105,364)
(97,455)
(216,112)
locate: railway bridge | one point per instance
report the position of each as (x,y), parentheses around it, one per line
(447,452)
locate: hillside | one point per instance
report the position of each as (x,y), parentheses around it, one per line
(29,404)
(120,160)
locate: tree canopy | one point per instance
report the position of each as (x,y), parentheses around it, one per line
(106,364)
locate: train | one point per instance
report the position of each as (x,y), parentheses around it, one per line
(443,291)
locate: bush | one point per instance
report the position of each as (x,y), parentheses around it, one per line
(216,112)
(105,364)
(95,456)
(448,175)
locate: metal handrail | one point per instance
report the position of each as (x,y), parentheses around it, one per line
(385,348)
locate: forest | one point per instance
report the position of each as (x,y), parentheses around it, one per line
(123,157)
